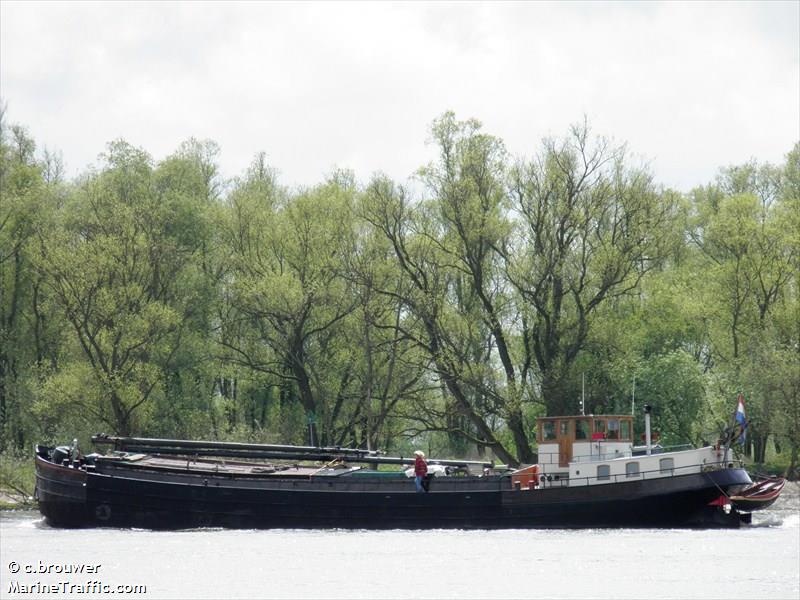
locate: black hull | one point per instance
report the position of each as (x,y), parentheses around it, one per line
(127,497)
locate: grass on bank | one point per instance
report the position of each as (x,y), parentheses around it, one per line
(17,481)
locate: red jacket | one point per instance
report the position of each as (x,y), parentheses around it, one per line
(420,467)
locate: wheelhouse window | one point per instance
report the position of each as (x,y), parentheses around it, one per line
(600,426)
(563,428)
(667,465)
(625,430)
(613,429)
(582,429)
(603,472)
(632,469)
(548,431)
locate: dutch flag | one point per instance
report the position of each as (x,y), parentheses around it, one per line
(740,418)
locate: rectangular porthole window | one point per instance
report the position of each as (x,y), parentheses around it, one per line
(603,472)
(632,469)
(667,465)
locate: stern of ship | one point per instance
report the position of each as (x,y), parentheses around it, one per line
(721,511)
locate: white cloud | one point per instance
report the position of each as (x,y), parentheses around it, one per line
(690,87)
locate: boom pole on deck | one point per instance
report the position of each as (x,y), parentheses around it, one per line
(120,442)
(262,451)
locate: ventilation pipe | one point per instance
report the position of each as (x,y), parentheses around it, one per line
(647,438)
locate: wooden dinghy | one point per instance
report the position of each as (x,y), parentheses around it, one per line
(759,496)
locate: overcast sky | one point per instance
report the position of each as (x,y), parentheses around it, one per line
(689,86)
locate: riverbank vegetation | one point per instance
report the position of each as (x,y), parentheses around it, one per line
(156,298)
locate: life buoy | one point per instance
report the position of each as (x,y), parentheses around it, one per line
(103,512)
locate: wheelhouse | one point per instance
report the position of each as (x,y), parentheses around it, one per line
(566,439)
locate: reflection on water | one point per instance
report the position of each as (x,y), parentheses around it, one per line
(756,562)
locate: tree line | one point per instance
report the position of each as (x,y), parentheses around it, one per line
(157,298)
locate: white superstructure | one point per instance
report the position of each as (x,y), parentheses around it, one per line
(599,449)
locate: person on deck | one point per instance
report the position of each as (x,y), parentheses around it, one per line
(420,470)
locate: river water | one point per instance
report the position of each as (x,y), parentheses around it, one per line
(761,561)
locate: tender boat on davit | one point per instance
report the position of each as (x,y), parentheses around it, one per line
(589,474)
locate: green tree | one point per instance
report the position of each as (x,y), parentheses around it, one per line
(746,228)
(288,254)
(29,322)
(119,261)
(21,189)
(673,383)
(445,336)
(508,267)
(590,228)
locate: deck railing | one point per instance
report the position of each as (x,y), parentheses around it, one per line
(559,480)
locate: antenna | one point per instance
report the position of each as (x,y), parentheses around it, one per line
(583,394)
(633,395)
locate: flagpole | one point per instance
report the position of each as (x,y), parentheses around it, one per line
(729,435)
(742,425)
